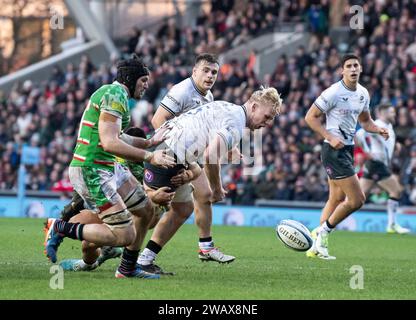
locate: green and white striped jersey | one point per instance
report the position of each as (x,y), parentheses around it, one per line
(111,98)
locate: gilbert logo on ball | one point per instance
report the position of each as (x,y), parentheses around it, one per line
(294,235)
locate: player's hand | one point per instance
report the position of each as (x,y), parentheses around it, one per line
(183,176)
(384,133)
(162,159)
(218,195)
(335,142)
(162,196)
(158,137)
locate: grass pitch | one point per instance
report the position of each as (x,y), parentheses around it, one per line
(264,268)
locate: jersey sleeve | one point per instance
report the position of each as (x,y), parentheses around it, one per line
(326,101)
(367,102)
(361,136)
(114,102)
(174,100)
(231,132)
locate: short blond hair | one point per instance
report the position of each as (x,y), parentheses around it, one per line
(270,96)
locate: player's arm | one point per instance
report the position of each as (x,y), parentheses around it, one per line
(144,143)
(161,116)
(360,139)
(135,141)
(368,124)
(212,157)
(109,128)
(313,119)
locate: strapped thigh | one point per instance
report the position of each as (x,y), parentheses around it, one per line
(118,219)
(136,199)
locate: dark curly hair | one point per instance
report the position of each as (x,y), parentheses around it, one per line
(128,71)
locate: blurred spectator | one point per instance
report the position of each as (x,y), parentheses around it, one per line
(378,196)
(47,114)
(62,185)
(283,191)
(265,188)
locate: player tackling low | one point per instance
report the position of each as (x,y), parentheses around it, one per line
(379,153)
(344,103)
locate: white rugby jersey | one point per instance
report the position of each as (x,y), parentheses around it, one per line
(191,132)
(374,144)
(185,96)
(342,107)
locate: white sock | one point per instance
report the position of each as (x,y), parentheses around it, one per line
(392,206)
(146,257)
(206,245)
(325,228)
(83,265)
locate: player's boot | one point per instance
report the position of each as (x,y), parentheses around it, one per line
(311,253)
(77,265)
(52,240)
(321,246)
(214,254)
(396,228)
(137,273)
(109,253)
(154,268)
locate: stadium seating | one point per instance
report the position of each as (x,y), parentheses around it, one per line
(47,114)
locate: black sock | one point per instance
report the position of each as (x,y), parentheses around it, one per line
(128,261)
(71,230)
(151,245)
(73,208)
(329,225)
(207,239)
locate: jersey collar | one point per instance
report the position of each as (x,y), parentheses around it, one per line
(196,88)
(123,86)
(346,87)
(245,112)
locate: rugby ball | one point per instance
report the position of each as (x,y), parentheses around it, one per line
(294,235)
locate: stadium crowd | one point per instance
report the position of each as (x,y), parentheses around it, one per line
(47,114)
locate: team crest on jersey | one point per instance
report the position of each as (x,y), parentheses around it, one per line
(361,98)
(148,175)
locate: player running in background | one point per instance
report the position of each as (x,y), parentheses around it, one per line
(379,153)
(184,96)
(344,103)
(106,187)
(203,135)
